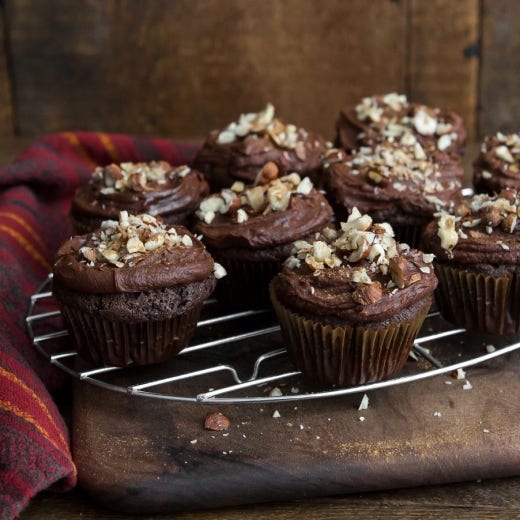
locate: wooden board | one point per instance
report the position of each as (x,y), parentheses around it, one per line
(500,74)
(146,455)
(444,56)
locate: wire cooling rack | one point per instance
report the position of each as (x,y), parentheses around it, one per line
(240,358)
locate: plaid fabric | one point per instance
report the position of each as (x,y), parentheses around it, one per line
(35,192)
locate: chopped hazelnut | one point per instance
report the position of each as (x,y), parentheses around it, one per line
(367,294)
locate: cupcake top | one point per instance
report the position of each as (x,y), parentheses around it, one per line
(137,253)
(240,149)
(391,177)
(156,188)
(390,117)
(359,273)
(498,164)
(275,210)
(483,229)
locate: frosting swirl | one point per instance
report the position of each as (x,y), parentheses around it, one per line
(245,145)
(358,274)
(391,117)
(156,188)
(498,163)
(137,253)
(483,229)
(274,211)
(391,179)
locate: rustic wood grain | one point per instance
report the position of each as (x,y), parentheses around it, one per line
(500,73)
(147,455)
(480,501)
(444,59)
(181,68)
(6,107)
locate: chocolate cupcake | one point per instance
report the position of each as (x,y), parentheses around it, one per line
(498,164)
(393,182)
(351,305)
(391,117)
(238,151)
(156,188)
(250,230)
(131,292)
(477,251)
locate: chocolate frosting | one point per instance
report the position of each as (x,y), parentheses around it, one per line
(331,295)
(407,189)
(254,140)
(360,276)
(498,164)
(176,195)
(164,267)
(304,214)
(353,131)
(483,236)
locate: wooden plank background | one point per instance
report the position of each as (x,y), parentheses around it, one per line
(6,104)
(178,68)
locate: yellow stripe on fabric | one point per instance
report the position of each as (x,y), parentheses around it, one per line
(23,223)
(17,381)
(108,144)
(12,408)
(75,143)
(26,245)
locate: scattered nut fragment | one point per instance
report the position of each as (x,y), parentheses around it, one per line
(231,201)
(219,271)
(278,196)
(491,216)
(256,198)
(134,245)
(238,186)
(242,216)
(403,272)
(89,253)
(368,294)
(444,142)
(216,421)
(268,173)
(424,123)
(449,237)
(503,152)
(275,392)
(509,223)
(363,405)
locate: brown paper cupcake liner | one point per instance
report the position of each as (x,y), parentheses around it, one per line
(411,235)
(246,284)
(123,343)
(348,355)
(478,302)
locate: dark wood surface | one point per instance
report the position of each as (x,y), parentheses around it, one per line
(6,104)
(443,62)
(500,71)
(182,68)
(150,455)
(139,455)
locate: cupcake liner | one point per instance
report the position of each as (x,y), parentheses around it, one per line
(123,343)
(479,302)
(411,235)
(246,284)
(347,355)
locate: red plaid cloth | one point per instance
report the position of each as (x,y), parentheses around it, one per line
(35,192)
